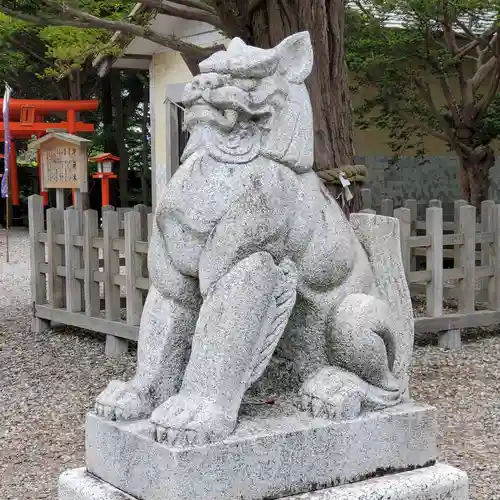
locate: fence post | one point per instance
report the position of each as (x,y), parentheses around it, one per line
(60,199)
(467,262)
(121,215)
(55,258)
(115,346)
(434,229)
(456,217)
(133,265)
(467,224)
(487,208)
(73,257)
(387,207)
(143,211)
(496,258)
(37,256)
(435,203)
(404,216)
(366,198)
(104,209)
(91,263)
(412,206)
(150,226)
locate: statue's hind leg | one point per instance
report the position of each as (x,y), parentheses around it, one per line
(360,340)
(361,350)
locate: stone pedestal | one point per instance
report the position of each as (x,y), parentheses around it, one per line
(431,483)
(276,452)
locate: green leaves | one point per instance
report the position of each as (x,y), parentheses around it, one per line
(65,48)
(419,58)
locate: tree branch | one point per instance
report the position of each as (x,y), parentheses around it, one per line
(232,18)
(421,125)
(444,84)
(449,34)
(195,4)
(32,53)
(425,92)
(42,20)
(470,34)
(449,97)
(193,15)
(491,93)
(480,40)
(492,90)
(125,27)
(415,122)
(482,73)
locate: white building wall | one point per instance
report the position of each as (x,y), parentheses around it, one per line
(166,68)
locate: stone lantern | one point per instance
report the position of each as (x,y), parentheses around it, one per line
(105,163)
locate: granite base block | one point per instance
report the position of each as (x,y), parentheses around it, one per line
(269,455)
(431,483)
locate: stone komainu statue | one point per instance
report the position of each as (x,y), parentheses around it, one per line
(251,259)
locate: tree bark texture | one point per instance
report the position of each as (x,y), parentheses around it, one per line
(474,175)
(328,84)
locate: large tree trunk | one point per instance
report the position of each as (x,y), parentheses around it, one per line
(474,175)
(328,83)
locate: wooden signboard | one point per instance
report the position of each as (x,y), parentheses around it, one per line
(63,160)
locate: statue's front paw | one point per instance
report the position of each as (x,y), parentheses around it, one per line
(121,401)
(191,421)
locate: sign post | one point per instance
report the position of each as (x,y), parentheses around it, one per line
(63,159)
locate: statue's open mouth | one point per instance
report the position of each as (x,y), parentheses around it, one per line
(223,106)
(203,112)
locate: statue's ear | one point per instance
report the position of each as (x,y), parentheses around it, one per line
(296,57)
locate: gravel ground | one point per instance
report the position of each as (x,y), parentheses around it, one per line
(48,381)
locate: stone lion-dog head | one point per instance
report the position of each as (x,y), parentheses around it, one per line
(249,101)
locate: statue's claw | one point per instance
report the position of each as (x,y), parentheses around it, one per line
(104,411)
(186,421)
(121,401)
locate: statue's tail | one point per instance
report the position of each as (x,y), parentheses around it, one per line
(380,238)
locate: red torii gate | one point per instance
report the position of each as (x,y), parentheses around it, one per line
(26,119)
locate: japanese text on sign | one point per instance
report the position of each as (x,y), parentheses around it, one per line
(60,166)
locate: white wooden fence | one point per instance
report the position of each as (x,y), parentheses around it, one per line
(471,250)
(96,278)
(77,270)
